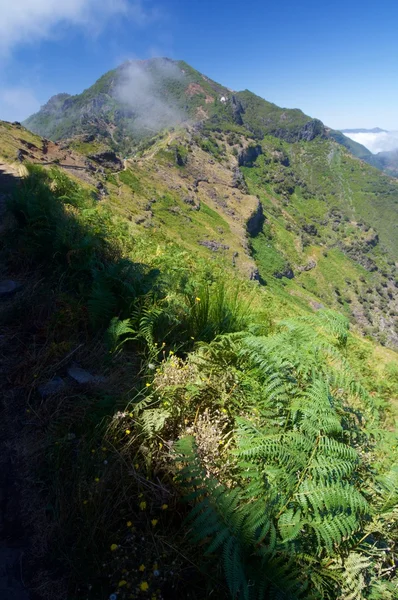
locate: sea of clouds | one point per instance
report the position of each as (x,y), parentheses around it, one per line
(382,141)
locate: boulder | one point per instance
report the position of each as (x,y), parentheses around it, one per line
(84,377)
(54,386)
(286,272)
(213,245)
(108,160)
(8,287)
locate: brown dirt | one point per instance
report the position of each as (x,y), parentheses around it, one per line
(193,89)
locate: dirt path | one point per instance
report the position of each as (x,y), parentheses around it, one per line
(12,536)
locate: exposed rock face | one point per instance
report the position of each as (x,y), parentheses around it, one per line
(213,245)
(198,181)
(102,190)
(287,272)
(281,157)
(308,267)
(311,130)
(255,275)
(108,160)
(55,103)
(238,180)
(256,220)
(310,229)
(237,110)
(192,203)
(247,156)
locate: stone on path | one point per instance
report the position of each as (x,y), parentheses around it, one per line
(55,385)
(8,287)
(83,377)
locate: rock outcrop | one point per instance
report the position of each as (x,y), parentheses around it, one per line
(108,160)
(256,220)
(247,156)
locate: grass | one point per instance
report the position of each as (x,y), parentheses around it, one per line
(92,272)
(112,511)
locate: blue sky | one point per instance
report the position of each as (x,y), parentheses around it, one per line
(336,60)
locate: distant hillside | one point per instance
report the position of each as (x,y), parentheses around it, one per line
(138,99)
(374,130)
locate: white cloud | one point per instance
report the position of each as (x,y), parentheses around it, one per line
(376,142)
(17,103)
(139,89)
(27,21)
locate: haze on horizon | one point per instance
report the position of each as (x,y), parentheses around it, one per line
(291,55)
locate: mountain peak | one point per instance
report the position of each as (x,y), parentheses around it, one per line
(140,97)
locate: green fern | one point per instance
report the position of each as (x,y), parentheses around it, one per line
(118,333)
(294,498)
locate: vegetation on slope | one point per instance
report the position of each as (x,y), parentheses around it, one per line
(268,443)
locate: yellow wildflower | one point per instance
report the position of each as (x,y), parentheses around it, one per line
(129,523)
(144,586)
(141,568)
(114,547)
(122,582)
(165,506)
(143,505)
(136,466)
(197,299)
(97,479)
(148,385)
(93,451)
(154,522)
(128,431)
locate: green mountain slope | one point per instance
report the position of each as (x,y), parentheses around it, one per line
(330,219)
(186,416)
(139,98)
